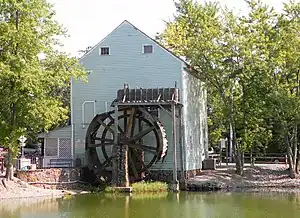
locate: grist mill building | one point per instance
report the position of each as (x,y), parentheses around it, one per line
(154,94)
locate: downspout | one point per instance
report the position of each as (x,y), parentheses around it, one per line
(72,120)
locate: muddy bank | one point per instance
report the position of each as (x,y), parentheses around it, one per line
(266,177)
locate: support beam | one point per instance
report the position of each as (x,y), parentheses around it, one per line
(182,178)
(174,185)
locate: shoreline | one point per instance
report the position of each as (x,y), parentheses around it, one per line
(273,178)
(265,176)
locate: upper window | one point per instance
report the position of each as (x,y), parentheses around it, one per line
(147,49)
(104,51)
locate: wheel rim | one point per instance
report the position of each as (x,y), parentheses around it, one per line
(136,145)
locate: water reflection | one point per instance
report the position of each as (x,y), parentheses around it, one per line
(163,205)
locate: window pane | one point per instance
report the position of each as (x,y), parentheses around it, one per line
(148,48)
(105,51)
(51,147)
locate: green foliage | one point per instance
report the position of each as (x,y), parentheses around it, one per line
(32,70)
(250,64)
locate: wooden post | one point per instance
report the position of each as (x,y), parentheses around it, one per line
(115,149)
(141,152)
(175,186)
(180,145)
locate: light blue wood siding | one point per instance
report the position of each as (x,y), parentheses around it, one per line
(125,64)
(194,121)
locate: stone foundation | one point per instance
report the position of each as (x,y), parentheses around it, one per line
(52,178)
(167,175)
(120,166)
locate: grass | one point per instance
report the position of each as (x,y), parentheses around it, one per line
(142,187)
(110,189)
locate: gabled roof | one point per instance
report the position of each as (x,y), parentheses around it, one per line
(188,68)
(66,128)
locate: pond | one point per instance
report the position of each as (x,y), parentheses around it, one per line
(163,205)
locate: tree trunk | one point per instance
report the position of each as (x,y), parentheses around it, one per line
(239,163)
(292,169)
(298,162)
(238,156)
(291,165)
(295,142)
(9,166)
(242,158)
(251,158)
(297,156)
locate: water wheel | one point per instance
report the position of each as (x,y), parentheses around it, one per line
(142,132)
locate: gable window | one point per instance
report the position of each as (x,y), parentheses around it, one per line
(104,50)
(147,49)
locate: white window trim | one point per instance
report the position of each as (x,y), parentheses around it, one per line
(109,52)
(146,45)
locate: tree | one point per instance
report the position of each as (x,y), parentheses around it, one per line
(214,41)
(31,71)
(285,81)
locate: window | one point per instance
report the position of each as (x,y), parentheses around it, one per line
(104,50)
(147,49)
(51,149)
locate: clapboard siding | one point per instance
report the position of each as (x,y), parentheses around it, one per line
(125,64)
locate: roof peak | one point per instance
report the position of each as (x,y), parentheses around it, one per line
(156,42)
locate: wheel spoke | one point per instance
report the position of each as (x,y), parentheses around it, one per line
(130,123)
(142,147)
(100,144)
(106,126)
(141,134)
(121,130)
(133,123)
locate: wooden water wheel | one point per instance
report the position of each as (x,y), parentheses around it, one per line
(142,132)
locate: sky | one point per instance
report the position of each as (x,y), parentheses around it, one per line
(89,21)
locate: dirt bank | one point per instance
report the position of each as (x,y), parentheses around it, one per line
(19,189)
(260,176)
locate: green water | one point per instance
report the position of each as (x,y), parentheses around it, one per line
(183,205)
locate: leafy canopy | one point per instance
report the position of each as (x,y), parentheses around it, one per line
(32,70)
